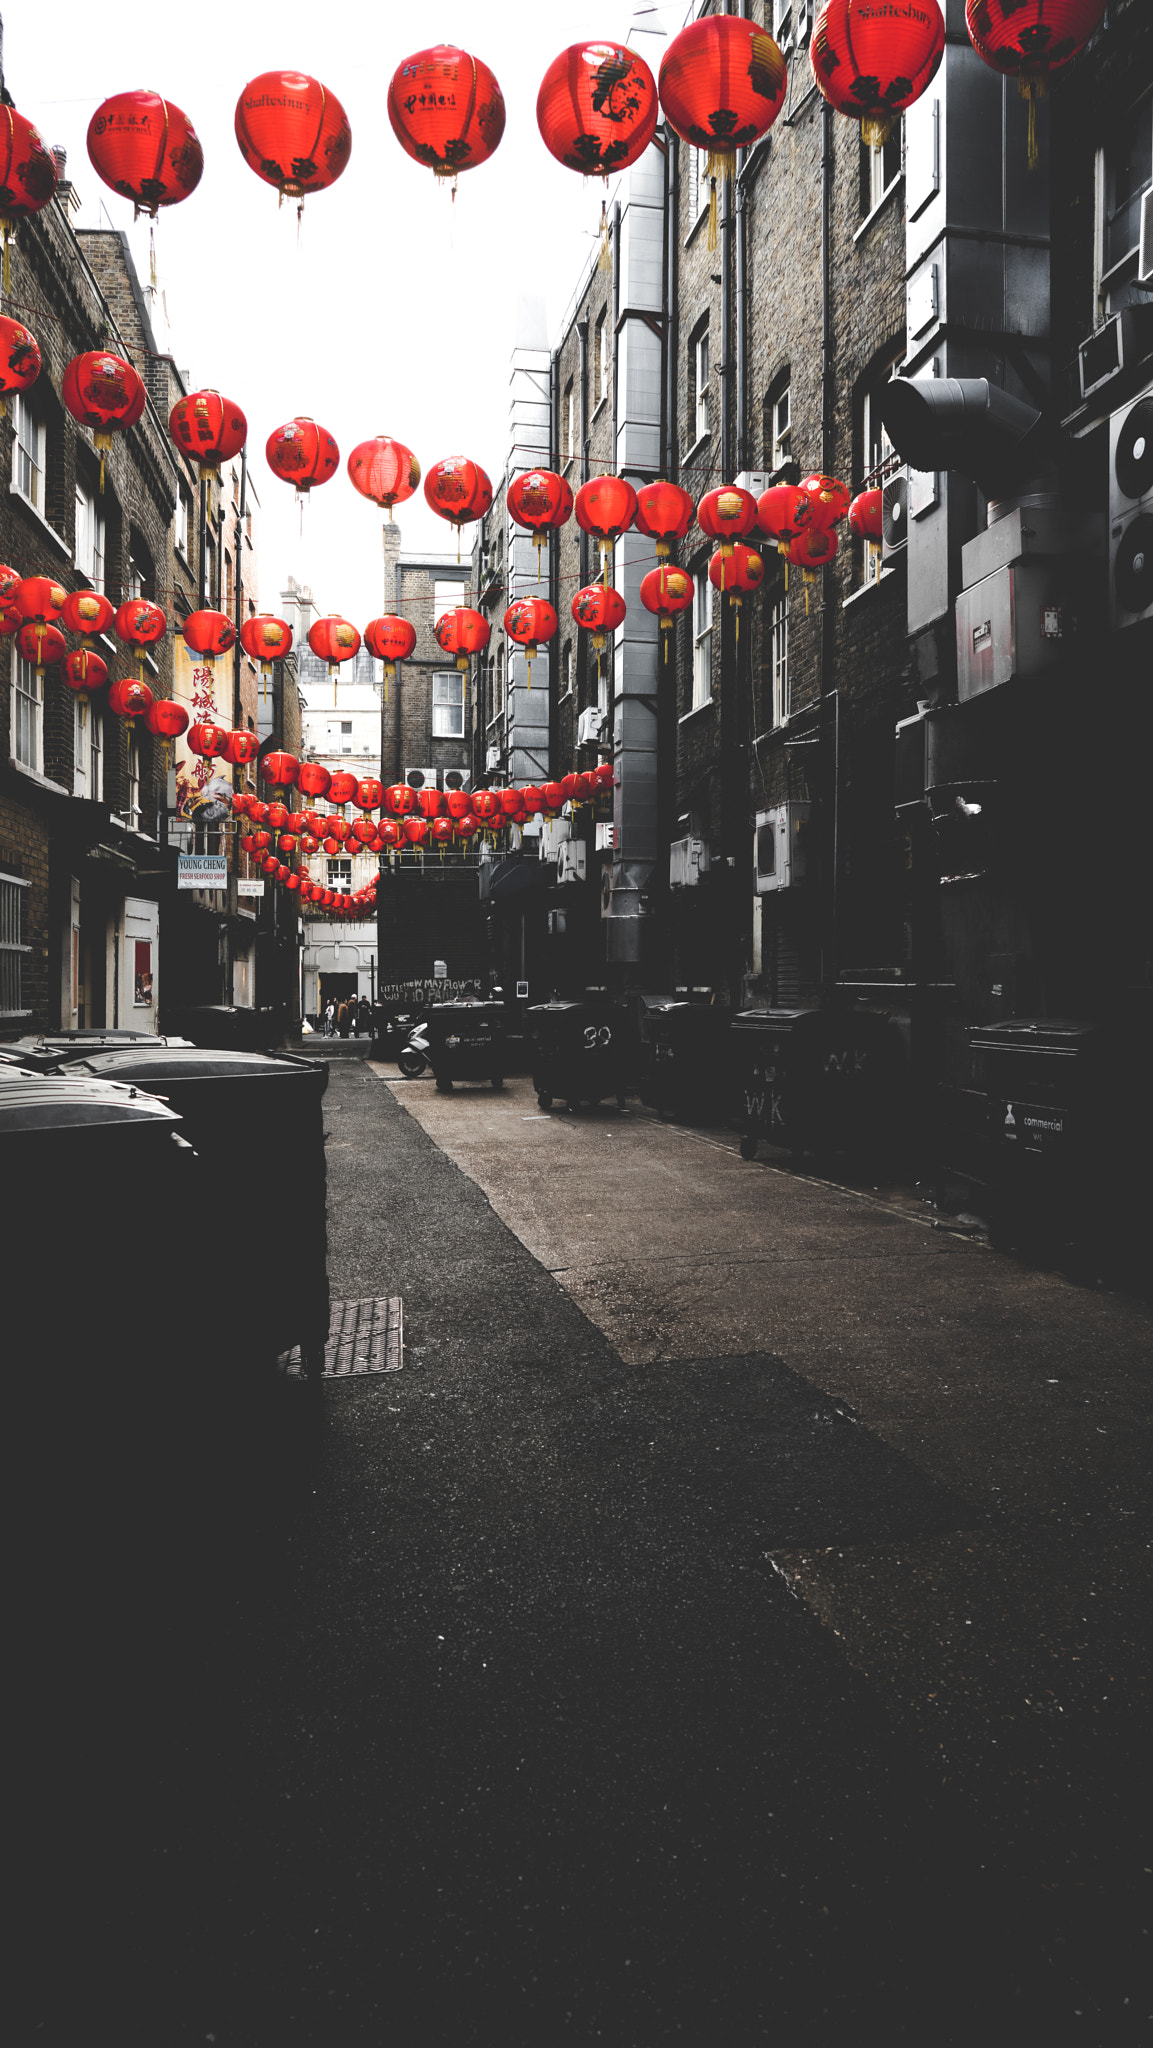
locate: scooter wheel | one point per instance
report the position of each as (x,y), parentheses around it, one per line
(411,1063)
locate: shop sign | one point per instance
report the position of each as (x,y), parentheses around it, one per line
(202,871)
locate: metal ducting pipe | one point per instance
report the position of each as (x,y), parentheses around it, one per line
(966,424)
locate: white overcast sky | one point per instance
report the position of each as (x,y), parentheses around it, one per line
(397,312)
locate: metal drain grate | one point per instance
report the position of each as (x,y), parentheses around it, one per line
(363,1337)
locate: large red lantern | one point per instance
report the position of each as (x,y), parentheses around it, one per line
(400,799)
(727,515)
(429,802)
(606,507)
(28,177)
(146,149)
(871,62)
(44,645)
(242,749)
(208,633)
(384,470)
(553,796)
(540,500)
(342,788)
(486,805)
(1028,40)
(105,394)
(462,632)
(38,601)
(600,610)
(301,453)
(738,573)
(865,518)
(783,512)
(19,359)
(467,827)
(665,591)
(207,740)
(390,639)
(812,550)
(446,110)
(664,513)
(313,780)
(208,428)
(457,802)
(335,640)
(266,639)
(528,621)
(130,700)
(416,831)
(369,793)
(293,132)
(85,672)
(829,498)
(165,719)
(279,770)
(86,611)
(443,832)
(597,108)
(722,85)
(458,490)
(140,624)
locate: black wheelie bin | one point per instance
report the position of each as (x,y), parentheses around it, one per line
(466,1042)
(685,1059)
(577,1052)
(776,1062)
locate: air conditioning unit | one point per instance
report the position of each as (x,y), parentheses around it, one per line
(688,861)
(1116,346)
(590,726)
(755,481)
(420,778)
(895,515)
(455,778)
(554,833)
(1145,247)
(782,847)
(571,861)
(606,838)
(1131,512)
(491,759)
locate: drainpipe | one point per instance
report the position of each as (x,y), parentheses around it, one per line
(616,321)
(829,695)
(203,589)
(669,462)
(726,366)
(583,345)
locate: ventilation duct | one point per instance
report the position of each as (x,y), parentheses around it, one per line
(966,424)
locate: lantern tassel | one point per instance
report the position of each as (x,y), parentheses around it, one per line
(1031,89)
(605,259)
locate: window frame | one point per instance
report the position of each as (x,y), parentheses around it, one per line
(875,185)
(702,638)
(779,662)
(569,421)
(601,358)
(781,450)
(1114,281)
(699,344)
(339,870)
(90,537)
(27,713)
(30,444)
(457,678)
(879,457)
(12,948)
(132,782)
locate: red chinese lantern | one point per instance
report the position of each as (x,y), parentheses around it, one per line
(392,833)
(466,828)
(207,740)
(9,578)
(292,882)
(532,798)
(85,611)
(783,512)
(829,498)
(865,518)
(335,640)
(486,805)
(429,802)
(293,132)
(390,639)
(301,453)
(399,799)
(270,864)
(458,490)
(727,514)
(510,802)
(165,719)
(540,500)
(600,610)
(313,779)
(42,644)
(1028,40)
(416,831)
(812,550)
(369,793)
(38,602)
(597,108)
(457,802)
(208,633)
(870,63)
(9,622)
(342,789)
(140,624)
(287,842)
(19,358)
(242,749)
(85,672)
(604,776)
(384,470)
(553,796)
(309,843)
(146,149)
(130,700)
(208,428)
(279,815)
(364,830)
(722,85)
(105,394)
(446,110)
(279,770)
(443,831)
(27,177)
(528,621)
(740,571)
(462,632)
(665,591)
(606,507)
(664,513)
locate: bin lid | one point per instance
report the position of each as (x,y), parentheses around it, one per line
(1068,1035)
(54,1102)
(159,1064)
(779,1019)
(50,1052)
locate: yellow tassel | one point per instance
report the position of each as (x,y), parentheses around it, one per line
(1031,90)
(605,259)
(876,130)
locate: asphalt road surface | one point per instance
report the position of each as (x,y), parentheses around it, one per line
(483,1702)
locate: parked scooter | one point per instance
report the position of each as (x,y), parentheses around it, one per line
(392,1030)
(412,1059)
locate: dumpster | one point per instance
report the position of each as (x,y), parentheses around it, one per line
(467,1042)
(577,1052)
(50,1051)
(261,1286)
(684,1059)
(820,1081)
(1068,1121)
(776,1060)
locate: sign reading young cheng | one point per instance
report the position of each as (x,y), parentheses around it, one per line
(202,871)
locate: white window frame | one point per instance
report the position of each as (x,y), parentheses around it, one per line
(569,422)
(28,453)
(697,187)
(782,428)
(702,638)
(12,946)
(441,729)
(95,738)
(601,358)
(340,871)
(701,385)
(447,596)
(880,186)
(182,521)
(27,743)
(1121,272)
(878,451)
(90,537)
(132,773)
(498,686)
(779,657)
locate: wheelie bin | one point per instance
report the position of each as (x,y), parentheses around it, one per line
(577,1052)
(467,1042)
(776,1061)
(256,1123)
(685,1052)
(821,1081)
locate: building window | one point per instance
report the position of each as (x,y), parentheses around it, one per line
(879,453)
(699,374)
(340,874)
(880,168)
(791,22)
(568,423)
(446,596)
(133,782)
(568,670)
(229,587)
(135,577)
(702,637)
(781,427)
(779,637)
(340,735)
(27,714)
(12,948)
(498,684)
(95,755)
(28,453)
(1124,172)
(601,359)
(448,705)
(603,688)
(89,537)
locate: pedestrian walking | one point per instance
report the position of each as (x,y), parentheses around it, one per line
(342,1018)
(363,1018)
(330,1020)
